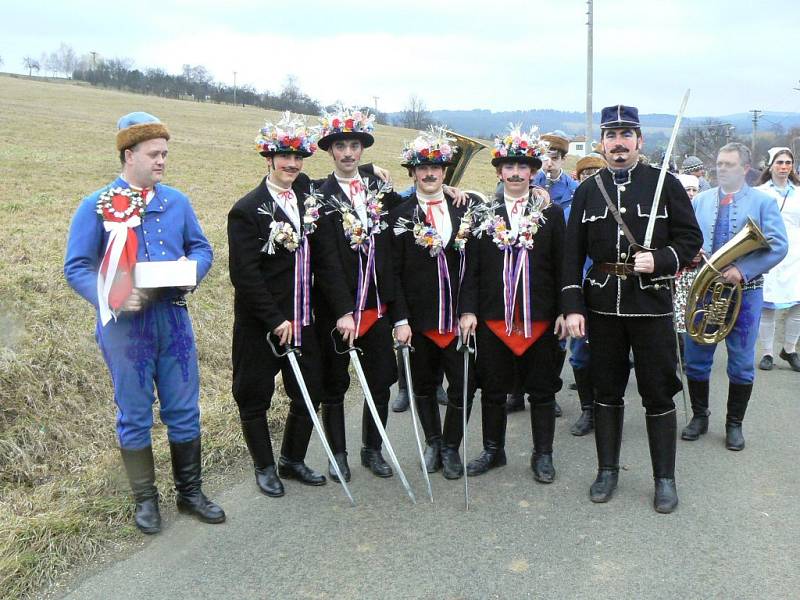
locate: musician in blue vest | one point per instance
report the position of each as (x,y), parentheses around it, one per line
(721,213)
(145,335)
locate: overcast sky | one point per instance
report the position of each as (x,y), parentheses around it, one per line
(468,54)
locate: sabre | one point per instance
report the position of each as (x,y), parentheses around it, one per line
(651,223)
(362,379)
(405,349)
(466,349)
(680,360)
(292,352)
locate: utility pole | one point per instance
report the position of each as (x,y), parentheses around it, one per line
(234,88)
(375,98)
(94,59)
(589,69)
(756,113)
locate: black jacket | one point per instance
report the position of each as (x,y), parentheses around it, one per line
(417,272)
(482,290)
(593,232)
(264,283)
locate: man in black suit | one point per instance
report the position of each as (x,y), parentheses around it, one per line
(624,300)
(510,295)
(428,251)
(274,248)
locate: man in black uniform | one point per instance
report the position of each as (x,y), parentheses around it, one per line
(428,252)
(624,301)
(274,247)
(510,295)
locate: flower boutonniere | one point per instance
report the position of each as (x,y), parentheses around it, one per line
(356,232)
(424,235)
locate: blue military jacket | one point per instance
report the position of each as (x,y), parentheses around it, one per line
(747,202)
(169,230)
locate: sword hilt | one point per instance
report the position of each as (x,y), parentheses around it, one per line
(399,346)
(277,353)
(346,350)
(468,346)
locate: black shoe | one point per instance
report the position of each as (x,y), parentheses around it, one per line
(142,477)
(558,410)
(373,460)
(400,402)
(665,499)
(341,461)
(441,396)
(487,459)
(186,472)
(792,359)
(268,482)
(515,402)
(452,467)
(734,440)
(433,456)
(604,485)
(696,427)
(542,467)
(299,470)
(767,363)
(585,423)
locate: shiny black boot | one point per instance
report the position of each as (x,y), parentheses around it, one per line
(698,394)
(608,419)
(543,426)
(662,436)
(738,398)
(256,436)
(585,423)
(494,439)
(291,464)
(452,435)
(142,477)
(400,402)
(429,417)
(371,456)
(186,471)
(333,422)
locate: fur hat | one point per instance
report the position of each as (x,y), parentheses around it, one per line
(519,146)
(138,127)
(590,161)
(558,141)
(346,123)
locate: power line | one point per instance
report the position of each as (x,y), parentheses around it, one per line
(756,113)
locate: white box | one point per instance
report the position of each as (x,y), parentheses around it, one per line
(165,273)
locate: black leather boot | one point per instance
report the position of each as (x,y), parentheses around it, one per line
(400,403)
(515,402)
(543,427)
(428,410)
(662,436)
(738,398)
(698,394)
(186,471)
(291,464)
(452,434)
(142,477)
(333,421)
(256,436)
(371,456)
(585,423)
(608,419)
(561,358)
(494,439)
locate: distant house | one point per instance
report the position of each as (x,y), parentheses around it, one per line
(577,146)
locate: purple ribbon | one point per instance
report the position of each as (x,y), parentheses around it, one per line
(365,275)
(302,290)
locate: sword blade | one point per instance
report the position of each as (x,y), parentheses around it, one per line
(414,418)
(362,379)
(301,383)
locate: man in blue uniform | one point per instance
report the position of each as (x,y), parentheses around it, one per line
(145,336)
(721,212)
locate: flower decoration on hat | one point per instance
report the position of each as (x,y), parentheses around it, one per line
(432,147)
(290,135)
(345,123)
(523,146)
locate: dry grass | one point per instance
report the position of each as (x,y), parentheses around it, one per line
(62,493)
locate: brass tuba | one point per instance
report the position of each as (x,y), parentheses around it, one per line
(713,304)
(467,148)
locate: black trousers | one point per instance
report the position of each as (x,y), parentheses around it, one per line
(498,368)
(255,368)
(377,359)
(428,361)
(652,340)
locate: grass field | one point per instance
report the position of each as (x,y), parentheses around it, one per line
(63,496)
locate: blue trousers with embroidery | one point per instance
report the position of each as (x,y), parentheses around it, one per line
(741,345)
(147,351)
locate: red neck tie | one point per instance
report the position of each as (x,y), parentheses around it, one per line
(285,196)
(356,187)
(726,200)
(429,212)
(518,205)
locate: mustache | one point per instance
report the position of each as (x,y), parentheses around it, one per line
(430,179)
(515,179)
(619,148)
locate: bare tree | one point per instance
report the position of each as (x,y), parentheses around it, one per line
(31,64)
(66,58)
(1,61)
(704,140)
(415,114)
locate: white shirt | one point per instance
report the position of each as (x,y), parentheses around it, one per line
(515,207)
(359,201)
(287,200)
(440,213)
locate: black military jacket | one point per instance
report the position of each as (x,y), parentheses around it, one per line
(593,232)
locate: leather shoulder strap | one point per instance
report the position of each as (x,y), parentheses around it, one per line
(614,212)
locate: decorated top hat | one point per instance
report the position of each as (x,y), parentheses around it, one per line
(432,147)
(346,123)
(519,146)
(290,135)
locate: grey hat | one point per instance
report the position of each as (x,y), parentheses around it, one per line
(691,164)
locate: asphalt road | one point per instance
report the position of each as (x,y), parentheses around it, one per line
(735,533)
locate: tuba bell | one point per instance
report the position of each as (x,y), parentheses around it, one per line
(467,148)
(713,304)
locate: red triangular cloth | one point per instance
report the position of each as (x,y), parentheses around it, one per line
(443,340)
(517,342)
(369,316)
